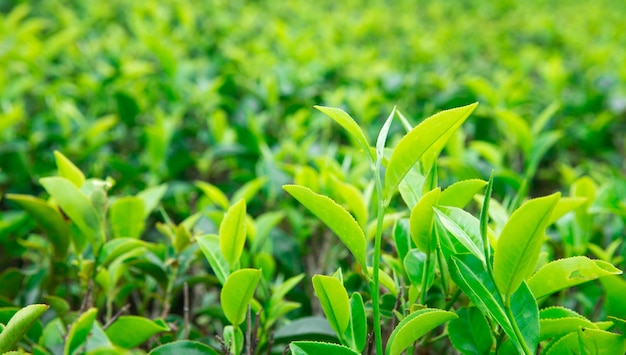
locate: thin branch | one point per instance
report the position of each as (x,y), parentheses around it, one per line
(116,316)
(249,331)
(87,299)
(186,310)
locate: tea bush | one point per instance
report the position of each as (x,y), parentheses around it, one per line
(167,187)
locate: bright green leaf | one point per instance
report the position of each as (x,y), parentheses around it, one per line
(214,194)
(233,232)
(564,206)
(316,348)
(209,244)
(564,273)
(348,123)
(249,189)
(237,293)
(131,331)
(414,326)
(19,324)
(422,220)
(470,332)
(127,217)
(461,193)
(432,132)
(335,217)
(356,334)
(334,300)
(68,170)
(464,227)
(520,242)
(79,332)
(151,198)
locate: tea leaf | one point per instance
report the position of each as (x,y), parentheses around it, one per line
(526,315)
(335,217)
(77,207)
(520,242)
(249,189)
(214,194)
(127,217)
(564,206)
(461,193)
(564,273)
(470,332)
(414,326)
(334,300)
(209,244)
(464,227)
(68,170)
(233,232)
(19,324)
(316,348)
(151,198)
(431,133)
(556,328)
(422,220)
(237,293)
(79,332)
(131,331)
(356,334)
(186,347)
(348,123)
(50,220)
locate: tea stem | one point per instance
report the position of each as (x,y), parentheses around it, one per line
(518,333)
(375,289)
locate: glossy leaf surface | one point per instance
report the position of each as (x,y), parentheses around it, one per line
(237,293)
(334,300)
(414,326)
(233,232)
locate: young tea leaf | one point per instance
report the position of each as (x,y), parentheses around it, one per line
(564,273)
(237,293)
(470,333)
(414,326)
(348,123)
(19,324)
(334,300)
(316,348)
(422,220)
(127,217)
(461,193)
(464,227)
(520,242)
(209,244)
(335,217)
(526,315)
(233,232)
(141,330)
(431,133)
(79,332)
(68,170)
(356,334)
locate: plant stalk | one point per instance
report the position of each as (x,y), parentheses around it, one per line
(518,333)
(374,285)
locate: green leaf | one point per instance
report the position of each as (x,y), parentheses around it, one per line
(237,293)
(422,220)
(431,133)
(306,328)
(131,331)
(464,227)
(186,347)
(352,198)
(209,244)
(564,206)
(249,189)
(356,334)
(151,198)
(214,194)
(316,348)
(68,170)
(518,247)
(558,327)
(564,273)
(233,232)
(58,304)
(19,324)
(284,287)
(234,337)
(470,276)
(79,332)
(615,289)
(77,207)
(117,247)
(414,326)
(348,123)
(402,237)
(414,267)
(337,218)
(50,219)
(461,193)
(382,137)
(334,300)
(526,315)
(470,333)
(596,341)
(127,217)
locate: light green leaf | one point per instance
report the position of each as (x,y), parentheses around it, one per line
(151,198)
(249,189)
(556,328)
(77,207)
(461,193)
(117,247)
(520,242)
(470,333)
(127,217)
(422,220)
(237,293)
(186,347)
(352,198)
(233,232)
(316,348)
(414,326)
(464,227)
(284,287)
(356,334)
(68,170)
(334,300)
(79,332)
(382,137)
(19,324)
(564,273)
(348,123)
(564,206)
(209,244)
(50,220)
(432,132)
(131,331)
(335,217)
(214,194)
(234,337)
